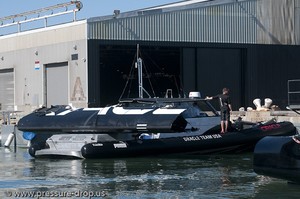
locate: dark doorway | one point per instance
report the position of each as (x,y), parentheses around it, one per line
(118,75)
(218,68)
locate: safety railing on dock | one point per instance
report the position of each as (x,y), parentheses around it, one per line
(294,93)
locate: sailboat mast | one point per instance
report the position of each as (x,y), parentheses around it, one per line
(140,72)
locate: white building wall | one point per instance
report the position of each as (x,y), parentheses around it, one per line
(28,53)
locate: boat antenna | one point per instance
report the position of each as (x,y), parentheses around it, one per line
(139,66)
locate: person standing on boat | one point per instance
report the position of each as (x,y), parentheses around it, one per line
(225,105)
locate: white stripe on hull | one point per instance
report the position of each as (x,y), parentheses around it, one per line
(161,111)
(103,111)
(92,109)
(122,111)
(65,112)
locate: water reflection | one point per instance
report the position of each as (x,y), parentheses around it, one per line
(187,176)
(227,176)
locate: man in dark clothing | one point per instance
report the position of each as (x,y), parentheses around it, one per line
(225,106)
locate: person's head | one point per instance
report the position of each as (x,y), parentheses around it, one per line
(225,90)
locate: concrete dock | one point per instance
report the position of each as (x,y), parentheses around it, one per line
(263,116)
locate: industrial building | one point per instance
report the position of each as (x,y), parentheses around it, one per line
(249,46)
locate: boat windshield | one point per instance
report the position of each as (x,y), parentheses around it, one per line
(193,107)
(199,109)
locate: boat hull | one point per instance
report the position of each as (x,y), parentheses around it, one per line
(105,146)
(237,141)
(278,157)
(163,146)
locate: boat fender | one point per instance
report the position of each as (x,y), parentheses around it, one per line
(9,139)
(145,136)
(28,135)
(33,148)
(296,139)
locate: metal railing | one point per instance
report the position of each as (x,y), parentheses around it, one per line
(293,87)
(41,14)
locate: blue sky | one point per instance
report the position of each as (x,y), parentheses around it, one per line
(91,8)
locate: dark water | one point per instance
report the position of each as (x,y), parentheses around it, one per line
(222,176)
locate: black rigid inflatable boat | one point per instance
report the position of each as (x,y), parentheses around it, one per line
(139,127)
(278,157)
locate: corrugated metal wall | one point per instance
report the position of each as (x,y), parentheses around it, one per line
(230,23)
(275,21)
(208,33)
(297,21)
(227,21)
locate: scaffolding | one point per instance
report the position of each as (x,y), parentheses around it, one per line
(41,14)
